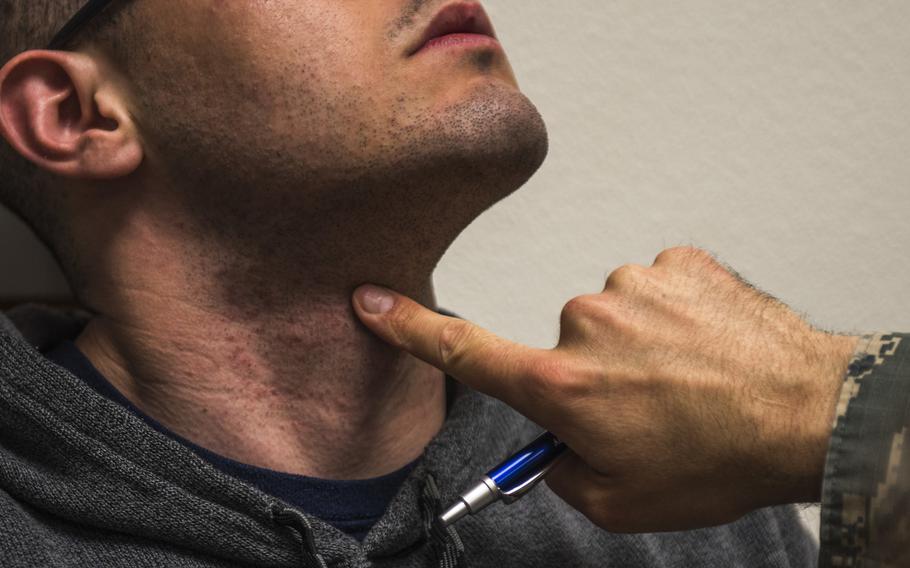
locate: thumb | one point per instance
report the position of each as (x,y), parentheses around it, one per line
(473,355)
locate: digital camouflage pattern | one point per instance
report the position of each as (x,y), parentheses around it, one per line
(865,520)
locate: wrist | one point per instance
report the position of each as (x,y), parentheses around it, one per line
(827,378)
(795,418)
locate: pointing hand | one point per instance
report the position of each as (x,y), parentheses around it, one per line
(688,397)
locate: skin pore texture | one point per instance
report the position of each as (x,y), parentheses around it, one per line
(291,152)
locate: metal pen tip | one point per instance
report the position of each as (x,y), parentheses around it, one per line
(453,513)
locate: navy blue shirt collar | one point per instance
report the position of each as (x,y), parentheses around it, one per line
(352,506)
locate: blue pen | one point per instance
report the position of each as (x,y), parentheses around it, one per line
(510,479)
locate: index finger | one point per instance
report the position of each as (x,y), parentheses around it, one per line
(476,357)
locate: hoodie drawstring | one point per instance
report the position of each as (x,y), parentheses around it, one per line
(444,540)
(302,532)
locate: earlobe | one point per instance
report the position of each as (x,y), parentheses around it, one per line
(57,110)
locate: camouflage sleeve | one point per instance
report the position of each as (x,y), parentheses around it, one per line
(865,518)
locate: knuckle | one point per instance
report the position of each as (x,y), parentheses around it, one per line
(579,318)
(579,308)
(682,255)
(586,320)
(625,277)
(452,339)
(559,378)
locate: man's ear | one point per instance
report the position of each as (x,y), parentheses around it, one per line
(58,110)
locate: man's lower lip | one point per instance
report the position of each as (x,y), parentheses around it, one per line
(459,40)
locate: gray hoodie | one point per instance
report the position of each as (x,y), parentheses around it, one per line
(86,483)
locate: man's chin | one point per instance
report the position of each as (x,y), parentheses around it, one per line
(470,155)
(497,128)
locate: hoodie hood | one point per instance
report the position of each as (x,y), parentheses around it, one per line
(69,453)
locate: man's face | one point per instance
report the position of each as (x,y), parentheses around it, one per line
(321,93)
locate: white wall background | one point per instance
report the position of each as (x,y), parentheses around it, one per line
(774,134)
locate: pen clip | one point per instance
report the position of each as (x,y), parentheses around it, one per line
(512,495)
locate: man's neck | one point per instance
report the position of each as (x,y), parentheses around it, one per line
(225,314)
(312,394)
